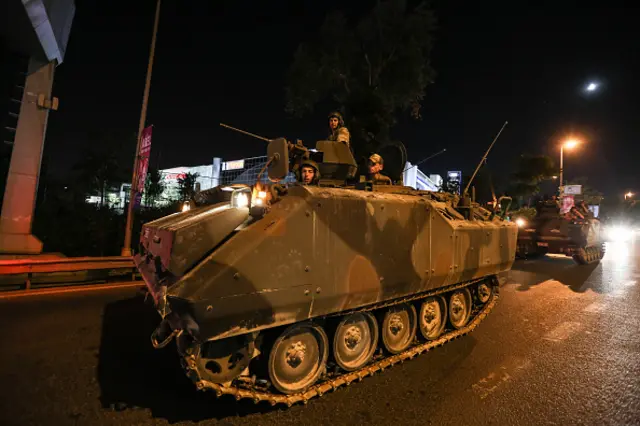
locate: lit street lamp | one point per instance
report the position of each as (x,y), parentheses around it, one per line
(570,144)
(628,195)
(591,87)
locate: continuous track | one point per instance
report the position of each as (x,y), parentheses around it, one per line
(330,382)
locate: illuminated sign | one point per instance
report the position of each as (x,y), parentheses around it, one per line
(174,176)
(233,165)
(573,189)
(454,175)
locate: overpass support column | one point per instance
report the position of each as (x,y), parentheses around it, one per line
(22,181)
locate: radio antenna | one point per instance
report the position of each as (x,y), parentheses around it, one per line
(484,158)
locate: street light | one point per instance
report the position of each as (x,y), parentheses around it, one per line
(569,144)
(592,87)
(628,195)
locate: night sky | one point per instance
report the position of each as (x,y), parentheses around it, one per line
(225,61)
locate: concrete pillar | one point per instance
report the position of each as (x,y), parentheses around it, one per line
(22,181)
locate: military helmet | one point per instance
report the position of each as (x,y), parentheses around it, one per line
(337,115)
(376,159)
(313,165)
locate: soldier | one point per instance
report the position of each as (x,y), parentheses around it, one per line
(376,165)
(337,131)
(309,173)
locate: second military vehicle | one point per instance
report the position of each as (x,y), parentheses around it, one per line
(282,293)
(576,233)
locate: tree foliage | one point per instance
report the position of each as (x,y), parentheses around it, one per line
(153,187)
(98,172)
(530,171)
(373,68)
(187,185)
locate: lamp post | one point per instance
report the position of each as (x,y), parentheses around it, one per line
(126,249)
(570,144)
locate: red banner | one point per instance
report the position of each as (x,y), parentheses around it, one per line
(143,163)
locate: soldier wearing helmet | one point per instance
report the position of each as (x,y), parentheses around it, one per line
(376,165)
(337,131)
(309,173)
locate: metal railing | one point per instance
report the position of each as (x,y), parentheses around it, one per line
(27,274)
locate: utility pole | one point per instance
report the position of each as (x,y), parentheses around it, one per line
(126,249)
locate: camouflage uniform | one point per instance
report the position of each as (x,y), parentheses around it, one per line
(378,178)
(341,133)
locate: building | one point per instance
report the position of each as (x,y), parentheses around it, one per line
(244,171)
(415,178)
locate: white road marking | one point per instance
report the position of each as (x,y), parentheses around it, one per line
(563,331)
(487,385)
(596,307)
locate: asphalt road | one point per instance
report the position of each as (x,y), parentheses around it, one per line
(562,347)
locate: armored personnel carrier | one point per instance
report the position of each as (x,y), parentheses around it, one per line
(281,293)
(575,233)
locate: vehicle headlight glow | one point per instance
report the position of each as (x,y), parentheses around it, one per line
(618,233)
(521,222)
(241,200)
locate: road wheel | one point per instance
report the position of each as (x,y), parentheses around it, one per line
(580,257)
(355,341)
(483,292)
(298,357)
(460,308)
(433,317)
(601,251)
(399,327)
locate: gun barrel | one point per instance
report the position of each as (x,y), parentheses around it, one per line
(245,132)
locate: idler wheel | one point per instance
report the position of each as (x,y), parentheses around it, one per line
(433,317)
(355,340)
(460,308)
(298,357)
(399,327)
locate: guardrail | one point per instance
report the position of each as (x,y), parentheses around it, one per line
(26,274)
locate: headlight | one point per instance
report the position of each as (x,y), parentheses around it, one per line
(618,233)
(240,198)
(521,222)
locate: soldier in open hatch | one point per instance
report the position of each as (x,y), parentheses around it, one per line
(338,132)
(376,165)
(309,173)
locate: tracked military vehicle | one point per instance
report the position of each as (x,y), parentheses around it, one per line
(576,233)
(281,293)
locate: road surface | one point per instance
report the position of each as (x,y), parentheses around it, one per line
(562,347)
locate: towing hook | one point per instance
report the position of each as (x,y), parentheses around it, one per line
(165,342)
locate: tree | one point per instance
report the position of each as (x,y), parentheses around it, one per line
(374,68)
(153,187)
(186,186)
(98,172)
(530,171)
